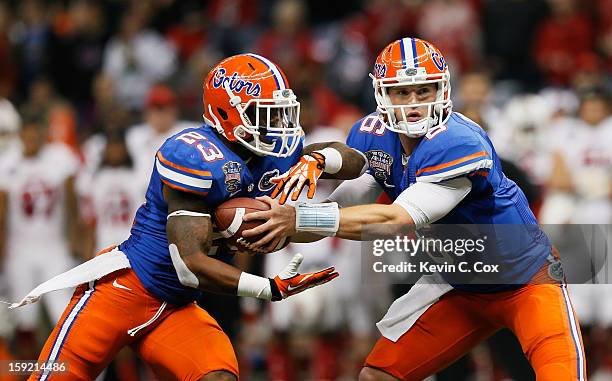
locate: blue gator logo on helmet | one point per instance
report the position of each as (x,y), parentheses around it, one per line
(236,84)
(438,60)
(380,70)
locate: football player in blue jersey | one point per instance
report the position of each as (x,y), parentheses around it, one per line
(439,167)
(142,293)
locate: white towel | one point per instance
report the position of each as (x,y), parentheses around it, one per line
(405,311)
(91,270)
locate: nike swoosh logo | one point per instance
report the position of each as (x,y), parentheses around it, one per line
(116,284)
(291,288)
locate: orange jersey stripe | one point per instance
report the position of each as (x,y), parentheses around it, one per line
(180,188)
(179,167)
(451,163)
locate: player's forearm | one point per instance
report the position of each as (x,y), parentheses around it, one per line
(355,220)
(419,205)
(198,270)
(305,237)
(190,242)
(212,274)
(306,222)
(352,165)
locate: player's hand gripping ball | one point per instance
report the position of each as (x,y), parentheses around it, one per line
(228,219)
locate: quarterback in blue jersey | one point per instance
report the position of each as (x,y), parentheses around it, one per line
(142,293)
(440,168)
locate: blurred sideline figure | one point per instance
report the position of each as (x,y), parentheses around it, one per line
(160,123)
(144,139)
(111,195)
(580,181)
(10,122)
(40,223)
(580,192)
(522,133)
(137,57)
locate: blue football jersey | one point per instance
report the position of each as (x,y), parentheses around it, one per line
(196,161)
(461,148)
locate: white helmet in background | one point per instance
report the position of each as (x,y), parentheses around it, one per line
(524,138)
(528,116)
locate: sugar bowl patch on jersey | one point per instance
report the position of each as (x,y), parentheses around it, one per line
(381,164)
(232,170)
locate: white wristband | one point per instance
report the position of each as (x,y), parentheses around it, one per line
(254,286)
(333,160)
(179,213)
(321,219)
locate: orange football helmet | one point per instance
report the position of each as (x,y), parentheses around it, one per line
(411,61)
(247,99)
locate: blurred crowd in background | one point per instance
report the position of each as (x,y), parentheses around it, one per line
(90,89)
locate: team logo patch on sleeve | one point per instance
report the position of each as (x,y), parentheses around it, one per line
(380,164)
(232,171)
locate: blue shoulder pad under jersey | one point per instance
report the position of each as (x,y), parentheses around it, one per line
(382,149)
(197,161)
(193,161)
(458,148)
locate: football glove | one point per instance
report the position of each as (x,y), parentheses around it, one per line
(289,282)
(305,172)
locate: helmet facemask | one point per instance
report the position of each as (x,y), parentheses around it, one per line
(438,111)
(270,126)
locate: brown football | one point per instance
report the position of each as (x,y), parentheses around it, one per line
(228,219)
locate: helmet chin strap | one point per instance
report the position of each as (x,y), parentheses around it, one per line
(216,123)
(416,129)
